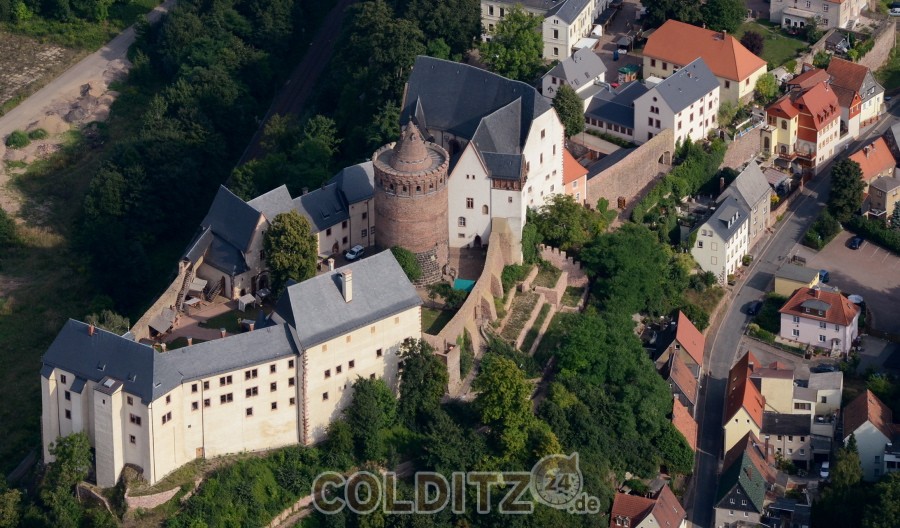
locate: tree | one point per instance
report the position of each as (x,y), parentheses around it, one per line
(846,190)
(455,22)
(423,382)
(516,47)
(566,224)
(407,261)
(811,31)
(895,216)
(384,127)
(822,59)
(724,15)
(449,447)
(72,462)
(109,320)
(884,510)
(753,41)
(372,410)
(291,250)
(504,402)
(438,49)
(766,87)
(9,506)
(658,11)
(570,109)
(846,471)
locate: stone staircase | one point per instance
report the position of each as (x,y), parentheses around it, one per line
(185,285)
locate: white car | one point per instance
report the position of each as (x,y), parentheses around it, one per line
(895,11)
(825,471)
(354,253)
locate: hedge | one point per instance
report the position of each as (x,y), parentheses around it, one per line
(875,231)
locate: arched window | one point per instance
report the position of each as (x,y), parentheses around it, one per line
(484,209)
(418,189)
(461,222)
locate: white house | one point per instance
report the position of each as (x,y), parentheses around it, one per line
(686,102)
(565,22)
(827,13)
(752,187)
(581,71)
(280,384)
(821,318)
(870,421)
(724,239)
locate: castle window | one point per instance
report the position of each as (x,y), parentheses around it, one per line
(338,369)
(328,232)
(344,224)
(225,380)
(484,209)
(132,439)
(543,133)
(364,233)
(168,399)
(250,374)
(193,389)
(130,400)
(327,373)
(378,353)
(273,387)
(365,215)
(418,189)
(226,398)
(249,411)
(167,418)
(195,406)
(206,402)
(404,188)
(274,406)
(68,414)
(62,379)
(461,222)
(205,385)
(324,396)
(351,364)
(272,369)
(133,418)
(470,203)
(290,363)
(509,199)
(293,401)
(252,391)
(68,395)
(291,382)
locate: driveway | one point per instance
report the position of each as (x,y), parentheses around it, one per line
(870,271)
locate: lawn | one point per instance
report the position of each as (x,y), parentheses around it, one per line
(779,48)
(229,321)
(572,296)
(519,313)
(535,329)
(547,276)
(181,342)
(889,74)
(434,320)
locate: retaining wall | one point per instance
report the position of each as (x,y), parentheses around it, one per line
(575,276)
(885,36)
(141,329)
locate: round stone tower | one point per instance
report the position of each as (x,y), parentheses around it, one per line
(411,200)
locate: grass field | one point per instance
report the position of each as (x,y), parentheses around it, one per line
(778,48)
(433,320)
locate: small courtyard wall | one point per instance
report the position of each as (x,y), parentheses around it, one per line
(555,294)
(576,276)
(884,36)
(632,174)
(141,329)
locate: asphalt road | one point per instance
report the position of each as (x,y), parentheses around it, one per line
(68,84)
(724,339)
(297,89)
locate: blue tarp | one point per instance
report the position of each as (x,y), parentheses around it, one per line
(463,284)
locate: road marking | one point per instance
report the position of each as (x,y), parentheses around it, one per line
(876,251)
(886,255)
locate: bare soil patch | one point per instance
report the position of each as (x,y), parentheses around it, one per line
(26,63)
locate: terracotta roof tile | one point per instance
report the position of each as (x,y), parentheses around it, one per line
(821,102)
(784,107)
(741,393)
(868,408)
(572,170)
(668,511)
(679,373)
(874,159)
(685,423)
(690,338)
(632,507)
(839,310)
(847,74)
(681,43)
(809,78)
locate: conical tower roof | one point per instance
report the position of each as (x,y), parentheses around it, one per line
(410,152)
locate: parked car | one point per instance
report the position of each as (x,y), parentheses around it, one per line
(895,9)
(824,277)
(855,242)
(825,472)
(823,367)
(754,307)
(354,253)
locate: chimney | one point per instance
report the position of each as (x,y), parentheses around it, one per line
(222,332)
(816,293)
(162,346)
(866,151)
(347,285)
(721,183)
(91,329)
(190,341)
(252,325)
(304,191)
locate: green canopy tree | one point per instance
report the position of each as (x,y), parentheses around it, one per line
(423,382)
(570,110)
(504,403)
(384,127)
(9,506)
(658,11)
(516,47)
(846,189)
(72,461)
(884,510)
(291,249)
(372,410)
(723,15)
(753,41)
(109,320)
(766,87)
(456,22)
(895,216)
(846,471)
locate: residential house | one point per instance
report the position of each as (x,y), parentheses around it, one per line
(280,384)
(724,238)
(803,128)
(870,421)
(635,511)
(891,136)
(683,339)
(611,110)
(743,402)
(776,384)
(565,22)
(752,187)
(827,13)
(686,102)
(884,197)
(676,44)
(741,496)
(504,139)
(581,71)
(820,318)
(685,423)
(790,277)
(828,387)
(856,79)
(788,436)
(574,178)
(682,382)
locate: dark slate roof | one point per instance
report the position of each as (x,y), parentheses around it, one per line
(743,473)
(797,273)
(273,203)
(232,219)
(225,257)
(785,424)
(78,385)
(75,351)
(492,134)
(687,85)
(616,105)
(454,97)
(357,182)
(886,183)
(751,186)
(568,10)
(149,374)
(197,248)
(608,161)
(719,219)
(581,68)
(380,289)
(325,207)
(503,166)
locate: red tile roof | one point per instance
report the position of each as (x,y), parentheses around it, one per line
(685,423)
(682,376)
(665,508)
(875,159)
(572,170)
(809,78)
(821,103)
(669,512)
(840,310)
(743,394)
(681,43)
(847,74)
(756,451)
(690,338)
(783,107)
(868,408)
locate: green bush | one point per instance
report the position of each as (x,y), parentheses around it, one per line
(38,134)
(453,298)
(823,230)
(876,232)
(17,140)
(408,262)
(512,274)
(8,235)
(466,354)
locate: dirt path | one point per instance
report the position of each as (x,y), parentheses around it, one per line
(64,94)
